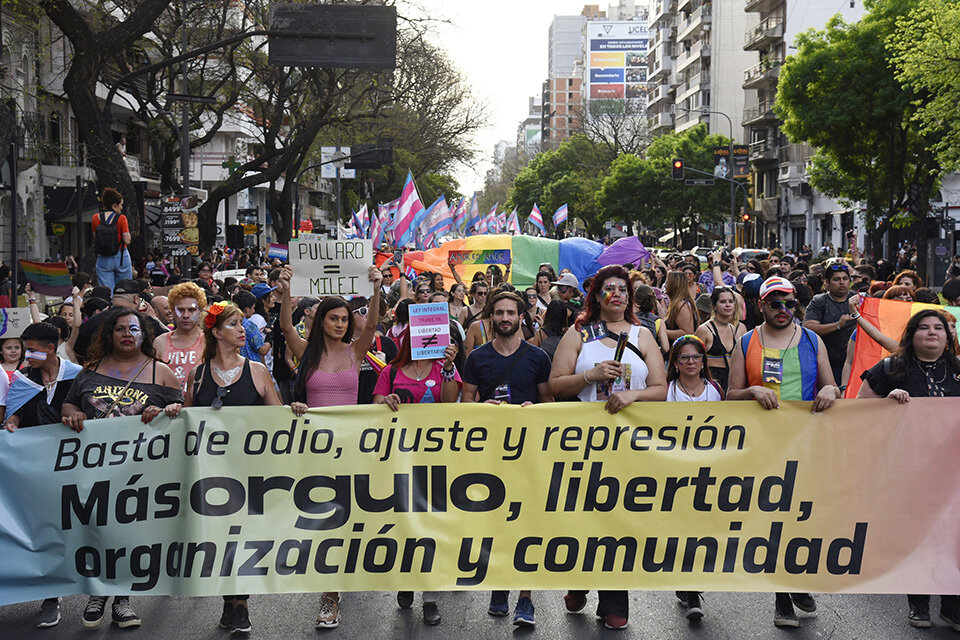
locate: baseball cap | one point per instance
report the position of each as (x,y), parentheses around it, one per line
(776,283)
(751,285)
(704,303)
(127,286)
(260,289)
(567,280)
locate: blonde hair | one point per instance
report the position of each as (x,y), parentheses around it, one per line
(678,290)
(186,290)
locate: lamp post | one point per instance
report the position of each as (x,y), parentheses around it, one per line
(733,188)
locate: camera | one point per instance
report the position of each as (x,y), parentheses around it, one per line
(726,255)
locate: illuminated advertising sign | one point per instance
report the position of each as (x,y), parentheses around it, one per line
(617,60)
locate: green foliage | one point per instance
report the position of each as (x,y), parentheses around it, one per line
(641,190)
(840,94)
(926,50)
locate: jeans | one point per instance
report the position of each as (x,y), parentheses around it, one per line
(110,269)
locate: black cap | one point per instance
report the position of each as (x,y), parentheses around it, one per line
(951,289)
(127,286)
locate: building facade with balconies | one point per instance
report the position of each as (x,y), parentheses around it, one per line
(788,212)
(694,64)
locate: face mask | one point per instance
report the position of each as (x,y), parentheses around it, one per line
(36,355)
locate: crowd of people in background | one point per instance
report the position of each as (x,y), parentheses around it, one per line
(777,327)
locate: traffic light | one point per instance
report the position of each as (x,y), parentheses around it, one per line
(745,217)
(677,169)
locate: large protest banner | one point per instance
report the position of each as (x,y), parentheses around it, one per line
(330,267)
(706,496)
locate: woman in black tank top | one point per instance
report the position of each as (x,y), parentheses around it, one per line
(224,378)
(720,334)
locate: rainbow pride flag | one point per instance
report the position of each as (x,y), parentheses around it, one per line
(48,278)
(891,317)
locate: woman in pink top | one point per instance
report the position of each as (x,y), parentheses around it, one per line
(329,370)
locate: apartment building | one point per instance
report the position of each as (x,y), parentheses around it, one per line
(788,211)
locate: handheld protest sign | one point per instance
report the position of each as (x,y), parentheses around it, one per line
(429,330)
(331,268)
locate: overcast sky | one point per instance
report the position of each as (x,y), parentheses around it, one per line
(501,48)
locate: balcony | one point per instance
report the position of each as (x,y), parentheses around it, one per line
(797,154)
(696,52)
(692,85)
(660,121)
(660,9)
(769,208)
(765,34)
(661,67)
(694,24)
(760,6)
(658,93)
(765,71)
(763,151)
(683,5)
(51,153)
(758,113)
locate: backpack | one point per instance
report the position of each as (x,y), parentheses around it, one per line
(105,239)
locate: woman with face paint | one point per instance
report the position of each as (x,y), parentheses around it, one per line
(182,348)
(123,377)
(224,378)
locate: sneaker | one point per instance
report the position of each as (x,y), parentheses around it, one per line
(575,601)
(49,613)
(919,618)
(123,614)
(523,615)
(226,618)
(241,619)
(951,617)
(93,613)
(329,616)
(498,604)
(615,622)
(405,599)
(431,614)
(784,615)
(692,608)
(804,602)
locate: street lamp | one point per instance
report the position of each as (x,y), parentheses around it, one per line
(733,188)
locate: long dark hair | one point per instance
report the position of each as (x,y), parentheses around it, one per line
(316,343)
(900,359)
(555,319)
(102,345)
(591,310)
(673,372)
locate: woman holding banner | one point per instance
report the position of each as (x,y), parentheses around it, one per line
(608,357)
(925,365)
(329,372)
(409,381)
(121,357)
(224,378)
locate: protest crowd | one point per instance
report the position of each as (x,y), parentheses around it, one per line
(146,338)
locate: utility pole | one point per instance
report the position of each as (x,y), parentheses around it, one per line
(730,164)
(185,108)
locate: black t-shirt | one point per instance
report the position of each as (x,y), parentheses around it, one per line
(38,411)
(95,393)
(485,368)
(919,379)
(826,310)
(368,377)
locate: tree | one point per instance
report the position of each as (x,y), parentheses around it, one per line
(926,51)
(840,94)
(618,125)
(96,37)
(641,190)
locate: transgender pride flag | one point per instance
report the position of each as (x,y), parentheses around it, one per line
(408,212)
(460,215)
(560,216)
(536,219)
(473,218)
(513,223)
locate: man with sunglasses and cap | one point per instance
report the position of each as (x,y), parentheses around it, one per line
(828,314)
(781,360)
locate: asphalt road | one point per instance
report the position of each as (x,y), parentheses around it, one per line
(733,616)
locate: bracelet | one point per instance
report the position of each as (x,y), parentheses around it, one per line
(448,376)
(585,378)
(32,301)
(856,317)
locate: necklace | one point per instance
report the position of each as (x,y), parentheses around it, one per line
(226,375)
(929,370)
(684,389)
(419,376)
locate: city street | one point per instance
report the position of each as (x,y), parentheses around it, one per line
(375,615)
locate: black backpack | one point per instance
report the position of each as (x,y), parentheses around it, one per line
(105,239)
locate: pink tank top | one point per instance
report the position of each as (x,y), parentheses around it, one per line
(337,387)
(183,360)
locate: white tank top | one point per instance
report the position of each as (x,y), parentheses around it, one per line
(593,353)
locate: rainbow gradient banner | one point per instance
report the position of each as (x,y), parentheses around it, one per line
(890,317)
(48,278)
(716,496)
(480,256)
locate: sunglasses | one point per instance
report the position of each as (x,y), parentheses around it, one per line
(221,394)
(838,267)
(776,305)
(481,293)
(362,311)
(419,291)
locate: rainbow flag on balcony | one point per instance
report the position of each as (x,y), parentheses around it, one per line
(48,278)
